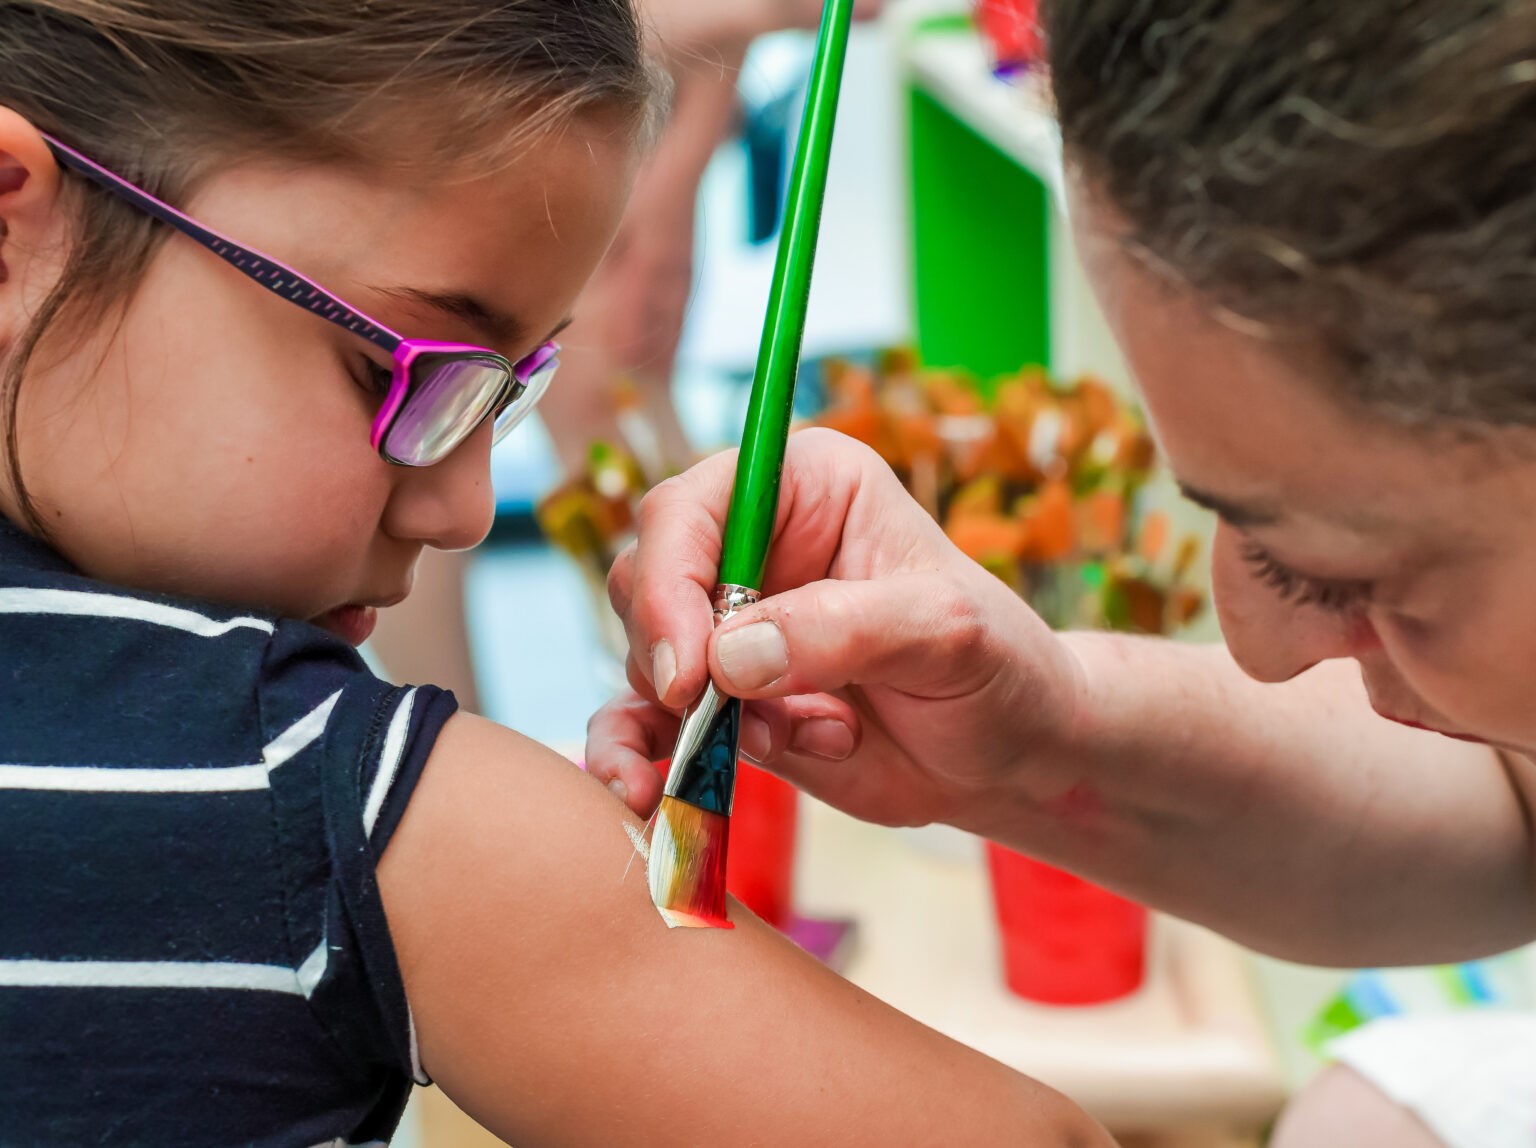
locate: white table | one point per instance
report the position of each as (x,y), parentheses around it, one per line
(1186,1056)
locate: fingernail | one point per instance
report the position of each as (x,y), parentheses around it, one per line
(823,737)
(756,742)
(618,789)
(663,667)
(754,655)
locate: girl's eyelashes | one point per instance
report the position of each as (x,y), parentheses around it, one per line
(373,378)
(1334,596)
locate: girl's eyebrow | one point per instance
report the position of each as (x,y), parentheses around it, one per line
(499,327)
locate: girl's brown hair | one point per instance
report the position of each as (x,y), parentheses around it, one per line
(165,92)
(1356,177)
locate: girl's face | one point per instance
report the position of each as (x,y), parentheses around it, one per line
(1339,535)
(215,442)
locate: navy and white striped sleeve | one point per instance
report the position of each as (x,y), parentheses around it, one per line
(193,801)
(352,786)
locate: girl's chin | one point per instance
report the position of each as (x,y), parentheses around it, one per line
(352,624)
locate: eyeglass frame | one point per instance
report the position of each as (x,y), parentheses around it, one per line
(286,283)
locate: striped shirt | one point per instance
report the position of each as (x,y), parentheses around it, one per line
(193,951)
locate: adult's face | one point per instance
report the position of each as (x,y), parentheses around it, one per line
(1341,534)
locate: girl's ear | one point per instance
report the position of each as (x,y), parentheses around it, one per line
(29,190)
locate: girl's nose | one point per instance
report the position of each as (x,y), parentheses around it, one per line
(1271,638)
(449,505)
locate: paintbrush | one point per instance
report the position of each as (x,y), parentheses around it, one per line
(688,848)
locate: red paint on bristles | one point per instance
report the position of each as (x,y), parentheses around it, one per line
(687,865)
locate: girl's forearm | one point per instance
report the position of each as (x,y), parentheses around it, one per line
(1289,816)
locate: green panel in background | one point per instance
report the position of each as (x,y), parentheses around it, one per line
(981,259)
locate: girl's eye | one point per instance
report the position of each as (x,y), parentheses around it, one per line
(1335,597)
(375,379)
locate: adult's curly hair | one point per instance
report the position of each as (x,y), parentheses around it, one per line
(1356,177)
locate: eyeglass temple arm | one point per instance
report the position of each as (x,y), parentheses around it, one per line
(275,276)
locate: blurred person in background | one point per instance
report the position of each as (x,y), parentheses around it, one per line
(630,317)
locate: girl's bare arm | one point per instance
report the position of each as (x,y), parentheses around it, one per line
(553,1004)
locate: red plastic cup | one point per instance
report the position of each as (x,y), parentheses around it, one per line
(760,859)
(1013,28)
(1065,940)
(760,851)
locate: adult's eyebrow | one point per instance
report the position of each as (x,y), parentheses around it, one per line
(1236,513)
(500,328)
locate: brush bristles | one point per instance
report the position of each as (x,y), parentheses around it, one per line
(687,865)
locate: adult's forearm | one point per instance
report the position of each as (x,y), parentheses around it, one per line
(1289,817)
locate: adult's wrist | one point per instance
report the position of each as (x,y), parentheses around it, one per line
(1117,712)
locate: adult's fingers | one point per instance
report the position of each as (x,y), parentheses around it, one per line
(622,741)
(928,634)
(819,726)
(629,734)
(841,513)
(662,586)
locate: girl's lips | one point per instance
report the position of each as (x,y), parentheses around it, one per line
(352,624)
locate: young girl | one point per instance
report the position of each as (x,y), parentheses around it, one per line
(251,891)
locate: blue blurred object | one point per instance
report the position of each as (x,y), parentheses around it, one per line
(1370,994)
(523,469)
(765,132)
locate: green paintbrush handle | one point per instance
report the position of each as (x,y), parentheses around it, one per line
(755,498)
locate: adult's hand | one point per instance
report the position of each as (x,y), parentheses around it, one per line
(892,676)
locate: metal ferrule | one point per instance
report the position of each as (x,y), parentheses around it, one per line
(704,761)
(729,599)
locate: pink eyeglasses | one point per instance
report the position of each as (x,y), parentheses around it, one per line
(440,392)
